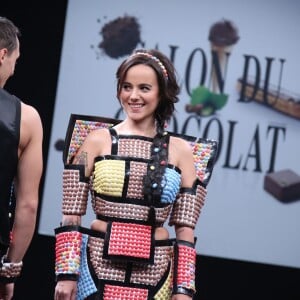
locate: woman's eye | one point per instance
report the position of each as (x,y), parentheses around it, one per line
(126,87)
(145,88)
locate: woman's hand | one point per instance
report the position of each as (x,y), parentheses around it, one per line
(65,290)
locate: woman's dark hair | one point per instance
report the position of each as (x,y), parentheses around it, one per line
(8,35)
(168,93)
(166,77)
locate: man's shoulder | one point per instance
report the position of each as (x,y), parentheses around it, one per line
(31,125)
(29,113)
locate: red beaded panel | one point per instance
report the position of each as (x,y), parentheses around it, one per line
(186,267)
(130,240)
(67,249)
(112,292)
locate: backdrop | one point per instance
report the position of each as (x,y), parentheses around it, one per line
(237,64)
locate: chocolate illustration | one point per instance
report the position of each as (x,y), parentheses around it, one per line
(284,102)
(120,36)
(223,35)
(284,185)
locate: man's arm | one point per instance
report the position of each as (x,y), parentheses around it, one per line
(27,182)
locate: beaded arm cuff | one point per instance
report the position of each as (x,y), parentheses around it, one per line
(188,205)
(67,250)
(9,271)
(184,268)
(75,190)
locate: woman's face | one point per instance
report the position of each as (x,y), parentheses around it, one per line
(139,94)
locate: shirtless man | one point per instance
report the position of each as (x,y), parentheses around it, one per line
(21,165)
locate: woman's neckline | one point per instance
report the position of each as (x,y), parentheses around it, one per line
(133,134)
(126,130)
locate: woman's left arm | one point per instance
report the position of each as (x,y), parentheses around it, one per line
(188,176)
(184,216)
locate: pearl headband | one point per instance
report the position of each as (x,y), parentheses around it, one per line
(161,65)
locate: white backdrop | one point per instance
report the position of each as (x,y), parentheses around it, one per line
(240,219)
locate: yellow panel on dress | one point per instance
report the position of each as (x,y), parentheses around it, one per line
(109,177)
(165,292)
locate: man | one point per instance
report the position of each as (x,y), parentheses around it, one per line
(21,165)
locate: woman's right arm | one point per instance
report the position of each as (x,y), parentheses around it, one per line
(75,196)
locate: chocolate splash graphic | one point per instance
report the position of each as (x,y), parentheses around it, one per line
(120,36)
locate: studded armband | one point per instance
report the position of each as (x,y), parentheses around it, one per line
(9,271)
(75,190)
(184,268)
(188,205)
(67,252)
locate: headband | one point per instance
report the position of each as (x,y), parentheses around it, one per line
(161,65)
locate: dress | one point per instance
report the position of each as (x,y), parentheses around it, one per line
(10,116)
(126,262)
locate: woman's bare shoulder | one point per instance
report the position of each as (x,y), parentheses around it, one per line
(96,134)
(182,156)
(96,139)
(181,145)
(179,151)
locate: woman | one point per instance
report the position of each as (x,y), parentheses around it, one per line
(138,175)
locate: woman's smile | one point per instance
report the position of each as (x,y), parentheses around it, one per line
(136,106)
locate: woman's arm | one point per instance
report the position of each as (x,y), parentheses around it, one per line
(75,196)
(184,218)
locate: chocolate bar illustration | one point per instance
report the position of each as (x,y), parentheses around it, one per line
(281,101)
(284,185)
